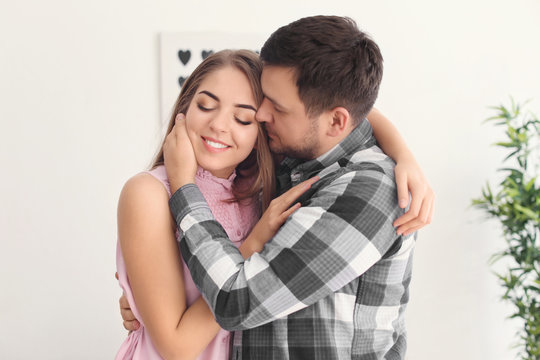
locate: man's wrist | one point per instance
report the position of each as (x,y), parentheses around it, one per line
(185,200)
(177,183)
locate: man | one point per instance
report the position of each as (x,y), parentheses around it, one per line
(333,282)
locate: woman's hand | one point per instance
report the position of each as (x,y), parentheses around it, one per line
(274,216)
(180,161)
(410,178)
(130,321)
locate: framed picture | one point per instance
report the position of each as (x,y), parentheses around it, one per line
(180,53)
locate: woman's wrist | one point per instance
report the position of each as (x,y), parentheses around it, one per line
(404,156)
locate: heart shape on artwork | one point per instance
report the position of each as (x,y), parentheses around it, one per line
(206,53)
(184,56)
(181,81)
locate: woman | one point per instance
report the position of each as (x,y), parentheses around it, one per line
(221,96)
(219,101)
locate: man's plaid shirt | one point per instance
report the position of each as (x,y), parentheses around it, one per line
(332,283)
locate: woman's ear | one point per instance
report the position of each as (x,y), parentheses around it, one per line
(339,119)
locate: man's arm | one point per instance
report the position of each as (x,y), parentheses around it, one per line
(339,233)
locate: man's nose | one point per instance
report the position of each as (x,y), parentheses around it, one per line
(263,113)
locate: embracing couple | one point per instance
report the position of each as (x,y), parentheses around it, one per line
(285,212)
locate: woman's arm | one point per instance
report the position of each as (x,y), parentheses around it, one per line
(409,176)
(146,233)
(388,136)
(147,237)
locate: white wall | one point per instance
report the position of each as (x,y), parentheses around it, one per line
(79,114)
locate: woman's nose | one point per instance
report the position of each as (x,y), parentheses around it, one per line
(220,122)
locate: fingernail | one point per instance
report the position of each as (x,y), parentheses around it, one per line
(402,203)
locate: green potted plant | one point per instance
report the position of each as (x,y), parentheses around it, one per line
(515,203)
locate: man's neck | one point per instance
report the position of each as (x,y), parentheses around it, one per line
(330,142)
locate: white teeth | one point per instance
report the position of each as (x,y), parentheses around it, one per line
(215,144)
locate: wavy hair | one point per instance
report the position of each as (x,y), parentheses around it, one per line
(259,165)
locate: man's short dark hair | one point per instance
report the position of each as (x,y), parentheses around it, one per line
(336,64)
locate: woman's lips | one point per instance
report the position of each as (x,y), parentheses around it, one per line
(214,145)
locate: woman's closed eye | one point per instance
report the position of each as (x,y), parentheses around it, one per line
(243,122)
(204,108)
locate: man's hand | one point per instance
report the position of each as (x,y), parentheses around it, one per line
(410,178)
(130,322)
(180,161)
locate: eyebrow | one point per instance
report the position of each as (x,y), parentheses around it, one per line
(243,106)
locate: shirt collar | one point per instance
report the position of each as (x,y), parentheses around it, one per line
(360,138)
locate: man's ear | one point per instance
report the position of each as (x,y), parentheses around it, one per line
(339,119)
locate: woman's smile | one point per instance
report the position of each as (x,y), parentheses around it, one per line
(214,145)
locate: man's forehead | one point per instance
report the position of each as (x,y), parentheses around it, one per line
(281,71)
(275,80)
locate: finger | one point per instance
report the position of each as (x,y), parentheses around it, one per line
(124,303)
(402,188)
(429,212)
(409,227)
(289,211)
(293,193)
(424,211)
(413,230)
(180,131)
(410,215)
(179,117)
(170,140)
(127,315)
(131,325)
(116,275)
(417,223)
(431,209)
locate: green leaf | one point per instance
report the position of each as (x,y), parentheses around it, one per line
(505,144)
(530,184)
(515,202)
(531,214)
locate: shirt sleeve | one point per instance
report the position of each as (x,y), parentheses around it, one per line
(337,235)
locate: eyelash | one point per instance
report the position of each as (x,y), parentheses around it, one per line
(245,123)
(202,108)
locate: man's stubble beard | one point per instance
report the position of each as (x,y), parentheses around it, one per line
(307,150)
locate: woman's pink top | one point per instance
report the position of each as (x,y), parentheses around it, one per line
(236,218)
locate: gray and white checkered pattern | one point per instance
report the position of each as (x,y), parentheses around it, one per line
(332,283)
